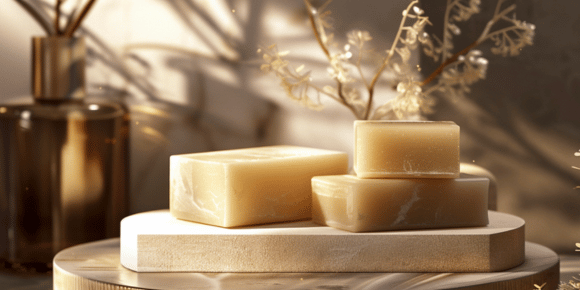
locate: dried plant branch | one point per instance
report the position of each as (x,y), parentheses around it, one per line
(40,19)
(70,19)
(77,22)
(57,17)
(446,33)
(456,11)
(571,285)
(577,187)
(358,65)
(456,72)
(390,54)
(499,14)
(311,16)
(447,62)
(317,28)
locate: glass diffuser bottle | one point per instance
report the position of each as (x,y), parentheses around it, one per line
(63,159)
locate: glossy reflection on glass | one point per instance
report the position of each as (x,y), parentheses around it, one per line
(63,164)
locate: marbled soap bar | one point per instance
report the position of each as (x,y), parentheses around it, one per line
(473,169)
(406,149)
(361,205)
(248,186)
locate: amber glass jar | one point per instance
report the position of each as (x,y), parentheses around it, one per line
(63,160)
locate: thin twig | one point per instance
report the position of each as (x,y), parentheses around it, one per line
(484,36)
(446,30)
(359,68)
(44,23)
(498,15)
(447,62)
(57,17)
(311,11)
(371,88)
(70,19)
(70,30)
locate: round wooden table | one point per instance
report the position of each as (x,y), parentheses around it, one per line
(96,266)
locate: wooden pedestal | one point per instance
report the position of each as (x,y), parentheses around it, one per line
(157,242)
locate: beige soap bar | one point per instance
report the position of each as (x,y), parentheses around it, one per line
(477,170)
(248,186)
(406,149)
(361,205)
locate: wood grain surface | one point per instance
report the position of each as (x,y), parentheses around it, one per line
(96,266)
(157,242)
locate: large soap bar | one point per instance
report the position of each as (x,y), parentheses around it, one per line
(248,186)
(406,149)
(360,205)
(477,170)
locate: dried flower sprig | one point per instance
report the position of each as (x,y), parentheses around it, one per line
(456,72)
(295,82)
(73,22)
(508,40)
(572,284)
(341,61)
(577,154)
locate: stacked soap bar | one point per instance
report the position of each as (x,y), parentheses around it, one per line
(407,177)
(406,149)
(249,186)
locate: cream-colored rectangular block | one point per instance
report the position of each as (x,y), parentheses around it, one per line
(477,170)
(248,186)
(157,242)
(406,149)
(363,205)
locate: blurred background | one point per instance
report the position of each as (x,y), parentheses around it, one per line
(189,71)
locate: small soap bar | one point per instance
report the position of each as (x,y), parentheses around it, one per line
(361,205)
(248,186)
(406,149)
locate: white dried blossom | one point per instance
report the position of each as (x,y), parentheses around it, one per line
(409,37)
(337,69)
(295,83)
(511,40)
(353,97)
(458,76)
(572,284)
(323,22)
(464,10)
(411,101)
(456,11)
(454,76)
(456,72)
(429,48)
(418,10)
(358,37)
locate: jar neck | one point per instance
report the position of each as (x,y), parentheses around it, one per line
(58,68)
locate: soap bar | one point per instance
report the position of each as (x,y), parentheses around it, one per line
(361,205)
(406,149)
(248,186)
(477,170)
